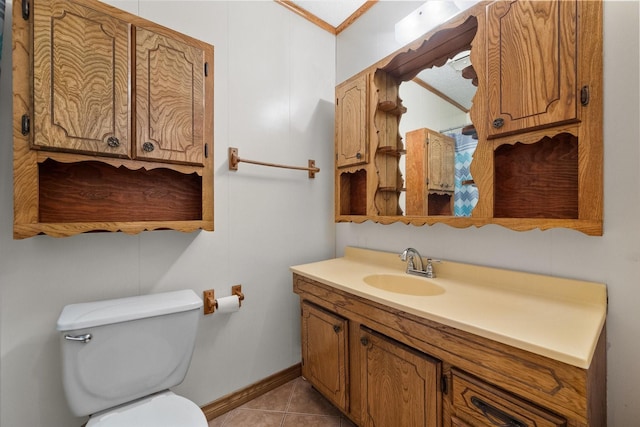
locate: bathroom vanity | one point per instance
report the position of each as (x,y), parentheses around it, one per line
(474,346)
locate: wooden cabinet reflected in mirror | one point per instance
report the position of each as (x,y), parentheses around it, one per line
(526,142)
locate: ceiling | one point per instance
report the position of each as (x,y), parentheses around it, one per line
(333,12)
(335,15)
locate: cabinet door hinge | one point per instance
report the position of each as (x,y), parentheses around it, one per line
(25,10)
(26,124)
(206,151)
(444,385)
(206,69)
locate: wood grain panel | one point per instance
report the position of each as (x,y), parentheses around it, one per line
(324,353)
(81,79)
(399,385)
(531,51)
(537,180)
(93,192)
(169,96)
(353,190)
(433,51)
(351,123)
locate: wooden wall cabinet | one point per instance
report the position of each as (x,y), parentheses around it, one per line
(537,113)
(430,172)
(352,136)
(113,122)
(368,147)
(531,65)
(402,369)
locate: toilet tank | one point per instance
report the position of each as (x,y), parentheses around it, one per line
(119,350)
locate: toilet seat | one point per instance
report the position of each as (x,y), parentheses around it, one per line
(165,409)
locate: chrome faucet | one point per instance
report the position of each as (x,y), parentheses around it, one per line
(412,256)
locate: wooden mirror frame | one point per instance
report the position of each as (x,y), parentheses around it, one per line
(368,189)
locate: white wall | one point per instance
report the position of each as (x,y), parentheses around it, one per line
(274,89)
(613,259)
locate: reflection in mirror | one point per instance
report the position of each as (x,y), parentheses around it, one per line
(438,99)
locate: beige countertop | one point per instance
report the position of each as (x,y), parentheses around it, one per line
(550,316)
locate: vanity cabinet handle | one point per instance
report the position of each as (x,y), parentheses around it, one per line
(147,147)
(495,415)
(498,123)
(364,341)
(336,328)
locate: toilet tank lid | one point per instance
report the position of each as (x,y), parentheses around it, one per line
(89,314)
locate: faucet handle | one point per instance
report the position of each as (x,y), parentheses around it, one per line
(429,268)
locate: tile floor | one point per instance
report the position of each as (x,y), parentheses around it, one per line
(292,404)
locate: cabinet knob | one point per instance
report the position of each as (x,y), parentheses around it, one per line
(358,156)
(336,328)
(498,123)
(147,147)
(364,341)
(113,142)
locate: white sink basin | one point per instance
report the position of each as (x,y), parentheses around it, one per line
(404,284)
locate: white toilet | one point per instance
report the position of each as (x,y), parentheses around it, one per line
(121,356)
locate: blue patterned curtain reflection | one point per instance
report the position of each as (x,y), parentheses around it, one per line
(465,196)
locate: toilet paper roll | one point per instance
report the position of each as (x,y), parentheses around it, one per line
(228,304)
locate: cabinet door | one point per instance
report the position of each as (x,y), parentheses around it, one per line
(324,353)
(441,162)
(80,79)
(531,64)
(399,385)
(352,128)
(169,99)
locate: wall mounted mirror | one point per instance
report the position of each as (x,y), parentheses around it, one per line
(527,149)
(439,99)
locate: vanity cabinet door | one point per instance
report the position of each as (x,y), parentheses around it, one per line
(324,353)
(80,79)
(169,99)
(489,406)
(531,64)
(399,385)
(352,126)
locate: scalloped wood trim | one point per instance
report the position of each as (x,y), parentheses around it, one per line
(22,231)
(586,226)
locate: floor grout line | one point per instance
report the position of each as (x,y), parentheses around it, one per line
(292,409)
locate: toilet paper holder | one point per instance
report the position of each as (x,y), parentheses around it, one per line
(210,302)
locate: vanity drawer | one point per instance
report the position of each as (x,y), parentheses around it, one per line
(489,406)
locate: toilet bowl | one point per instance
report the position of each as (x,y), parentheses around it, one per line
(120,357)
